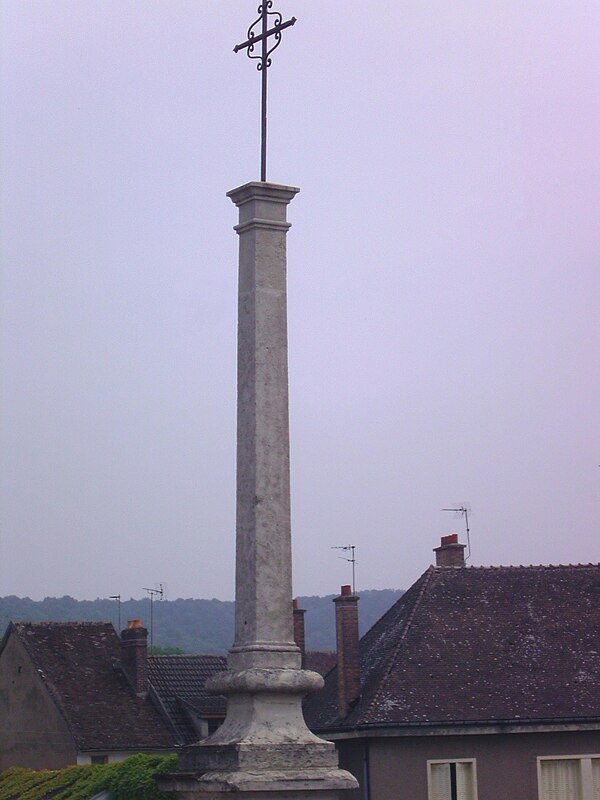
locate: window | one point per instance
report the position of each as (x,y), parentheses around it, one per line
(569,778)
(213,724)
(452,780)
(99,759)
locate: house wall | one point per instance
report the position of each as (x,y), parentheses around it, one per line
(32,731)
(506,764)
(353,756)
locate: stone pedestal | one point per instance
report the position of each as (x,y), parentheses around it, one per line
(263,749)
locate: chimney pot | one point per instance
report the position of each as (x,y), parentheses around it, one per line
(346,590)
(451,538)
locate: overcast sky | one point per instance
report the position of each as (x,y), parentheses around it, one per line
(444,286)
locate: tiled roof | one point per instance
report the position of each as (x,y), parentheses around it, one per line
(479,644)
(321,661)
(77,662)
(178,681)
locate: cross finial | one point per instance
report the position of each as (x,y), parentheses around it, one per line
(264,62)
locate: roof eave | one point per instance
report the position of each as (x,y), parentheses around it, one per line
(459,728)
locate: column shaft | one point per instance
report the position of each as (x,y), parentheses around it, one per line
(263,628)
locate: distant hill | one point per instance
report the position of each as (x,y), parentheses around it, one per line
(195,626)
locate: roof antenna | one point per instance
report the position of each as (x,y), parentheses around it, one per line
(352,560)
(464,511)
(117,597)
(152,593)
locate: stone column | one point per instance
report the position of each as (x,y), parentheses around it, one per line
(263,749)
(263,591)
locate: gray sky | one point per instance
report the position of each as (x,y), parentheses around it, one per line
(444,286)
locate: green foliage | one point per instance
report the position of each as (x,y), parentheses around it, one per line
(165,651)
(90,781)
(132,779)
(26,784)
(17,782)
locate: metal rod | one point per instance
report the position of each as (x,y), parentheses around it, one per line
(464,510)
(468,536)
(260,36)
(117,597)
(352,560)
(263,125)
(151,622)
(151,593)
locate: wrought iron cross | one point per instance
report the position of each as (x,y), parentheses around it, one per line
(264,62)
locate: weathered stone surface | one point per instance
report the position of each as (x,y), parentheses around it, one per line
(273,785)
(263,630)
(264,748)
(265,680)
(263,757)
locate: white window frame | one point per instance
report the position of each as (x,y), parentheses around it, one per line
(471,761)
(86,758)
(585,767)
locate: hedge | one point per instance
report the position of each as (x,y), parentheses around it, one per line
(132,779)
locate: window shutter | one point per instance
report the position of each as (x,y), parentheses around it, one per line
(595,778)
(439,788)
(464,781)
(561,779)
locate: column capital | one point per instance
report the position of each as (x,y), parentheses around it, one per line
(261,190)
(262,205)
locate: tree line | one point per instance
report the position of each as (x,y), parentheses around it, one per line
(192,626)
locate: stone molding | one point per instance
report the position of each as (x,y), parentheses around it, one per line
(255,680)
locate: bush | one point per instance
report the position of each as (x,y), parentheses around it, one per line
(132,779)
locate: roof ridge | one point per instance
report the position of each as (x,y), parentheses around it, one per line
(186,655)
(61,623)
(427,575)
(525,566)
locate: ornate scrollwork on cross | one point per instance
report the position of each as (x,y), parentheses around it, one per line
(264,60)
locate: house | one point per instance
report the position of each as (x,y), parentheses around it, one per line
(177,688)
(65,699)
(76,692)
(479,682)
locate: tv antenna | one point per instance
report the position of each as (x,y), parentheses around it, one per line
(349,548)
(117,597)
(464,512)
(152,594)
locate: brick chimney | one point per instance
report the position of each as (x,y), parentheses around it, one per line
(450,553)
(348,659)
(299,637)
(134,657)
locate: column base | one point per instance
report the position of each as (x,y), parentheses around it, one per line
(263,749)
(302,784)
(256,758)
